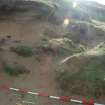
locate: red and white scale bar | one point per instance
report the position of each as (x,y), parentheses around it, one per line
(61,98)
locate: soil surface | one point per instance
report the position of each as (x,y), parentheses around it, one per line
(24,28)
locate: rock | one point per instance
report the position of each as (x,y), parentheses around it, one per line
(7,4)
(61,45)
(84,74)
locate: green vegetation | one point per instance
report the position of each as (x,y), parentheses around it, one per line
(14,69)
(25,51)
(94,71)
(11,70)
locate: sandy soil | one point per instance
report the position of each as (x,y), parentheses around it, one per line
(22,26)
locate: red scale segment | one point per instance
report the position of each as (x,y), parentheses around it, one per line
(87,102)
(65,98)
(4,87)
(23,90)
(43,94)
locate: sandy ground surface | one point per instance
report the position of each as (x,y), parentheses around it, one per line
(24,27)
